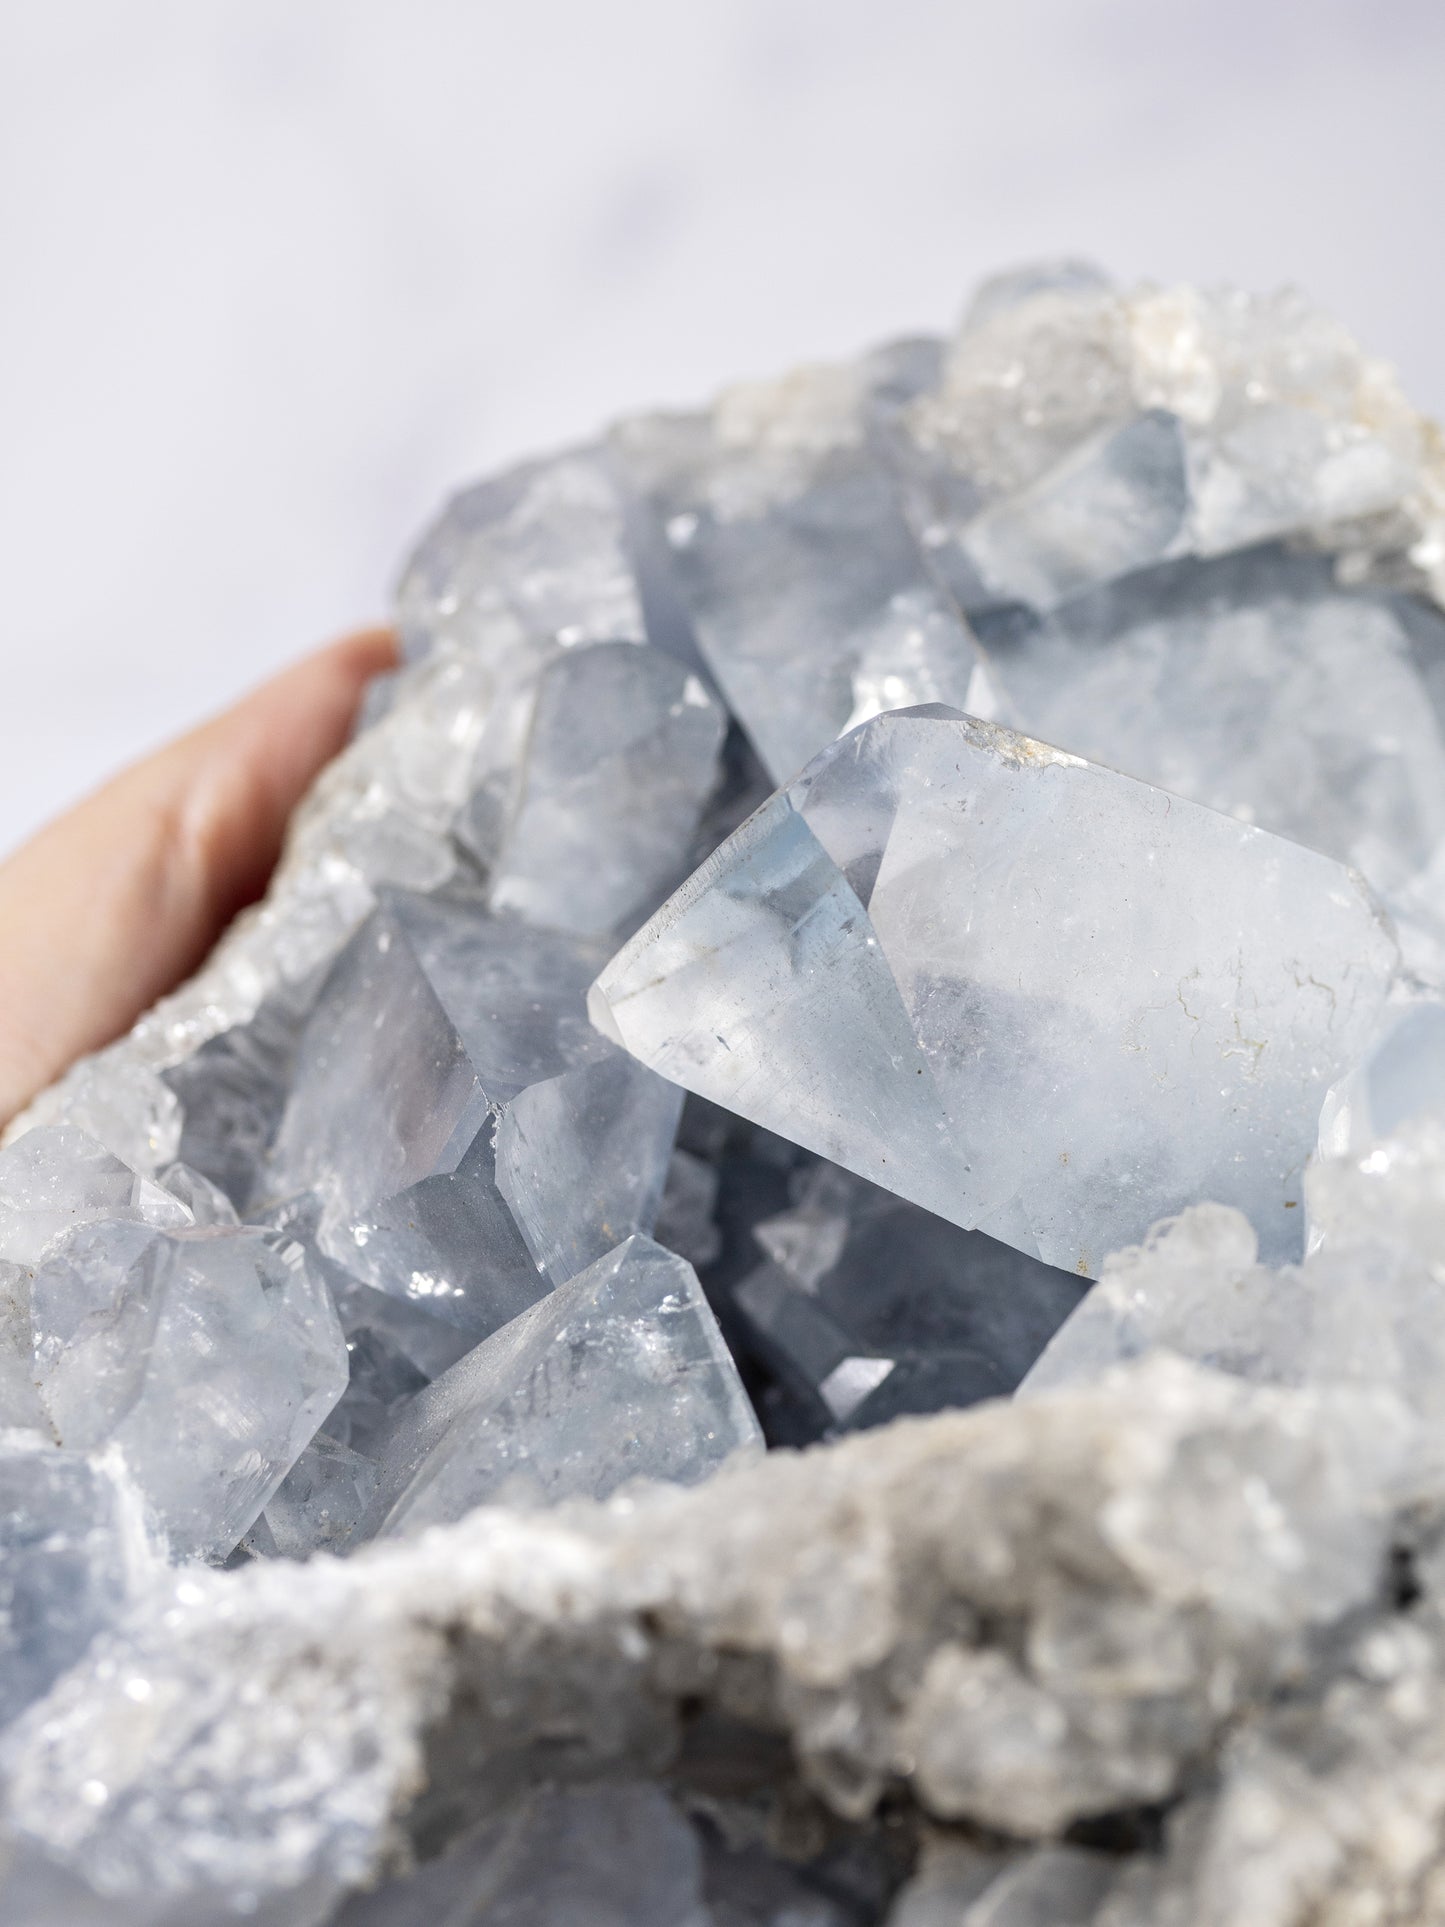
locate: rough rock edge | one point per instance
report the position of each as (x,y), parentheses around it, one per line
(1169,1588)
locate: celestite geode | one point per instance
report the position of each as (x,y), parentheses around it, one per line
(838,872)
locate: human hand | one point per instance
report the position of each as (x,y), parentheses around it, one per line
(120,899)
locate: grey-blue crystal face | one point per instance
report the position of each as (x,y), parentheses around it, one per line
(70,1549)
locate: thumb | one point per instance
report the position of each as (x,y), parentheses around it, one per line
(112,904)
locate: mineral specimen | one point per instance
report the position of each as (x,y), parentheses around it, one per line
(906,963)
(619,1374)
(1017,1618)
(1366,1308)
(485,1140)
(209,1357)
(811,600)
(385,1349)
(73,1555)
(870,1307)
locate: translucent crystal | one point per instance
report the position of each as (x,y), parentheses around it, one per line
(72,1555)
(1154,1017)
(1282,424)
(1389,1192)
(806,587)
(1253,684)
(1035,371)
(410,1334)
(1366,1308)
(619,1374)
(322,1500)
(54,1180)
(538,554)
(582,1160)
(621,756)
(447,1244)
(364,1123)
(233,1091)
(209,1357)
(394,1347)
(381,1374)
(488,1142)
(581,1134)
(594,752)
(117,1099)
(205,1202)
(1290,425)
(686,1217)
(515,995)
(1398,1080)
(1116,504)
(873,1307)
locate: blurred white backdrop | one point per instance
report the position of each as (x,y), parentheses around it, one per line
(277,273)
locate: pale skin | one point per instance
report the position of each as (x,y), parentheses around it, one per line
(119,900)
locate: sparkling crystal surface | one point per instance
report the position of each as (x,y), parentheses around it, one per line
(55,1180)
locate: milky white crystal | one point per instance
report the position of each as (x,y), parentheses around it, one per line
(1368,1312)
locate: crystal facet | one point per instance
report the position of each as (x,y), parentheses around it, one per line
(873,1307)
(903,963)
(208,1357)
(73,1553)
(619,1374)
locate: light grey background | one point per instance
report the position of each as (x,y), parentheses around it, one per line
(277,273)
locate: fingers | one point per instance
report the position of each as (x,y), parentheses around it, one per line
(117,901)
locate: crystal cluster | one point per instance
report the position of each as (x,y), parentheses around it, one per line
(837,872)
